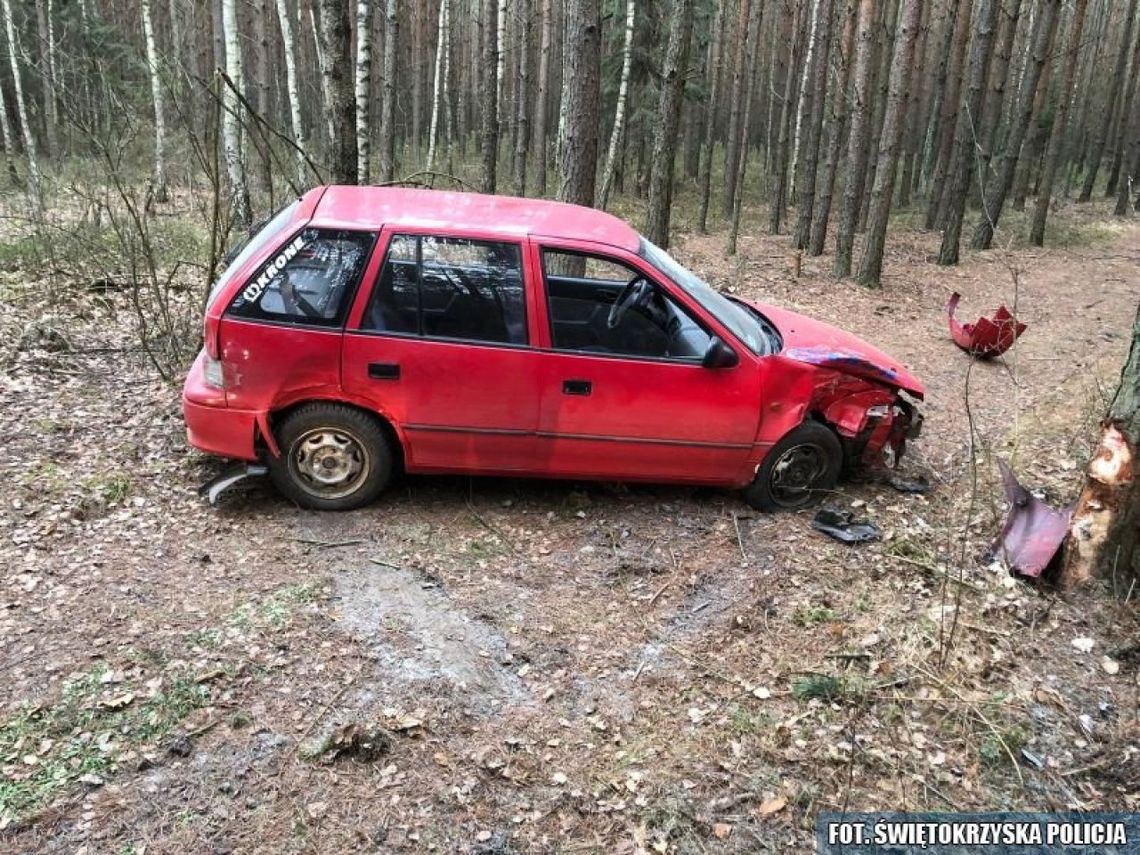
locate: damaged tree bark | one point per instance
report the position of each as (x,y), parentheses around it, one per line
(1104,536)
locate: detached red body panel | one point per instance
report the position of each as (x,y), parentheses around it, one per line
(1033,531)
(988,337)
(486,334)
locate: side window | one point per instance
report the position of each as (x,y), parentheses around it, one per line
(599,305)
(441,287)
(308,281)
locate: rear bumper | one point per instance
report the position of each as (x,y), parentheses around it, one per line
(220,431)
(213,427)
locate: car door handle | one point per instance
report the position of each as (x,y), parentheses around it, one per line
(384,370)
(577,387)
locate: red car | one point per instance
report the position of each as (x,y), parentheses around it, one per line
(365,330)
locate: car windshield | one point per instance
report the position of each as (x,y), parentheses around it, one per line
(745,324)
(252,246)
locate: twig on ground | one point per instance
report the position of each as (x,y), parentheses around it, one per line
(327,544)
(739,537)
(938,571)
(495,531)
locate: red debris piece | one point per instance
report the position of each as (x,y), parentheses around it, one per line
(1033,531)
(989,336)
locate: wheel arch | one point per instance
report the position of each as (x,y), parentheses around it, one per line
(386,422)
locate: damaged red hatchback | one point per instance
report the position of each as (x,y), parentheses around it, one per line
(365,330)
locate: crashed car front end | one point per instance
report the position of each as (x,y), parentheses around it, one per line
(873,422)
(865,395)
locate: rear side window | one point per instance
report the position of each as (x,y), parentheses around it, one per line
(308,281)
(454,288)
(243,252)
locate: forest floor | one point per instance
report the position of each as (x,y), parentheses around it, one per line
(536,667)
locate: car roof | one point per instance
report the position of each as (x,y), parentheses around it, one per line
(352,206)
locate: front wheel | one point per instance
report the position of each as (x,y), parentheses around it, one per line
(799,470)
(333,457)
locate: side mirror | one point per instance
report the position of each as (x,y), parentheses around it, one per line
(719,355)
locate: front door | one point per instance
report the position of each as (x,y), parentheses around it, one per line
(442,348)
(624,393)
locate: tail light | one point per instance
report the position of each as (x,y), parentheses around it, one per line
(210,335)
(212,372)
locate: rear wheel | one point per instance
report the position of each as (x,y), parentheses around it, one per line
(333,457)
(799,470)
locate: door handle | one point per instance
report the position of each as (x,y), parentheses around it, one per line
(577,387)
(384,370)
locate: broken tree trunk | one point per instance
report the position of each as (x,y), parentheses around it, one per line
(1104,536)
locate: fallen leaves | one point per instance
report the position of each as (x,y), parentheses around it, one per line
(772,804)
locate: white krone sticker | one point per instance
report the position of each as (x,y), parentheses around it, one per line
(254,290)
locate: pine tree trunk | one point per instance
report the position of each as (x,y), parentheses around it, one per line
(388,105)
(995,97)
(1127,182)
(704,177)
(1041,41)
(856,142)
(1096,152)
(948,120)
(938,97)
(871,262)
(159,177)
(668,121)
(1126,119)
(362,90)
(490,95)
(437,89)
(1038,128)
(231,120)
(791,27)
(806,97)
(809,156)
(1057,137)
(739,81)
(21,104)
(752,65)
(912,135)
(884,50)
(838,124)
(578,146)
(522,136)
(541,108)
(962,168)
(619,113)
(1104,534)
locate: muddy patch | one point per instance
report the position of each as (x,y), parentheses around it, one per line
(422,639)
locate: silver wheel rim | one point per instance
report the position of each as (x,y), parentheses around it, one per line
(796,474)
(329,463)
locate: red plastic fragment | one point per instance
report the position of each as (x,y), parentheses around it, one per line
(989,336)
(1033,531)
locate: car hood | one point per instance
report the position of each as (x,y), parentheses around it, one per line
(816,343)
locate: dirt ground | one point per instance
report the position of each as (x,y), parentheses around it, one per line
(502,666)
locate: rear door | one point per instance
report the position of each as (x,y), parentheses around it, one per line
(441,345)
(626,397)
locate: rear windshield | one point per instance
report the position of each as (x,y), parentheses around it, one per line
(253,245)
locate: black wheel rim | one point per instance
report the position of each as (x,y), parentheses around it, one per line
(796,475)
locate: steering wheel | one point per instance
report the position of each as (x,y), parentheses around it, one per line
(633,294)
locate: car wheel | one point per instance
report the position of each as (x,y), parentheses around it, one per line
(799,470)
(333,457)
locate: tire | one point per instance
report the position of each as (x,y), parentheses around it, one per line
(799,470)
(333,457)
